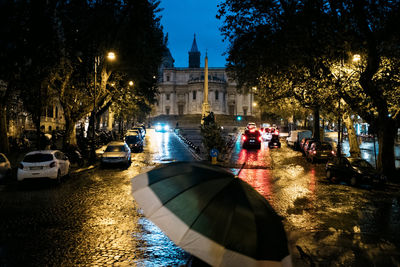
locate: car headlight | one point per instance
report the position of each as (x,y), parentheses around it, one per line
(158,127)
(166,127)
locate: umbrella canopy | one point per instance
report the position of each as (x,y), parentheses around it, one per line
(212,215)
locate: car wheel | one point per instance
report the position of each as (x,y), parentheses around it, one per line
(330,176)
(353,181)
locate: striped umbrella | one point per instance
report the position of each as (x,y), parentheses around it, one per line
(211,214)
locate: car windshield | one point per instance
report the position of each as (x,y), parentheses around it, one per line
(2,159)
(131,138)
(115,149)
(360,163)
(38,157)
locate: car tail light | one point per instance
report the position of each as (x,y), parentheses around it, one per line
(259,138)
(314,152)
(276,132)
(244,137)
(20,166)
(52,165)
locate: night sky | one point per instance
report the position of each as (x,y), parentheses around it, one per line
(181,19)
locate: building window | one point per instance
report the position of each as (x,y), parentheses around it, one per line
(167,95)
(167,110)
(50,112)
(56,112)
(245,111)
(216,95)
(167,78)
(194,95)
(224,96)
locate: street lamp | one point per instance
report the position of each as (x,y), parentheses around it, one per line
(111,57)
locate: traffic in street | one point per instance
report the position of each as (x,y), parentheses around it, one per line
(91,217)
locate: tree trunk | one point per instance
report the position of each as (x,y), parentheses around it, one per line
(316,124)
(353,142)
(70,133)
(386,135)
(4,146)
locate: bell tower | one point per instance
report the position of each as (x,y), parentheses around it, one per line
(194,55)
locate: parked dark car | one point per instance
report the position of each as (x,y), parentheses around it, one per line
(353,171)
(251,138)
(302,142)
(135,142)
(274,142)
(320,151)
(307,146)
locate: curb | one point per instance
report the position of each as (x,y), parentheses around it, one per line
(194,150)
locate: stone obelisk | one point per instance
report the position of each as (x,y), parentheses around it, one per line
(206,107)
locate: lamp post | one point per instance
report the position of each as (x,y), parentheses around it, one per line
(110,56)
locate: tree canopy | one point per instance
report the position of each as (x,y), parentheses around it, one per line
(294,48)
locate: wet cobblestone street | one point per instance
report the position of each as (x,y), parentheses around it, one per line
(91,219)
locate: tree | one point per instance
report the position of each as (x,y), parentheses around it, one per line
(303,40)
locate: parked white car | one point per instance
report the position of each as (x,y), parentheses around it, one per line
(52,164)
(5,166)
(117,152)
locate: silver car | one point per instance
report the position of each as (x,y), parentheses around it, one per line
(116,153)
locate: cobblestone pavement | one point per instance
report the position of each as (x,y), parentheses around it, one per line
(90,219)
(332,224)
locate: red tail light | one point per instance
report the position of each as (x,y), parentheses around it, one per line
(333,152)
(314,152)
(244,137)
(259,138)
(52,165)
(276,132)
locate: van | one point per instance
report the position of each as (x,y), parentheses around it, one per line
(295,137)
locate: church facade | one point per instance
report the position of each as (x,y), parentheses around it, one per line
(181,89)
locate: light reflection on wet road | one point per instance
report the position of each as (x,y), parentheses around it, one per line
(335,224)
(92,219)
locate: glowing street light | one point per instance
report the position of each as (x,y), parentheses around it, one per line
(111,56)
(356,57)
(130,83)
